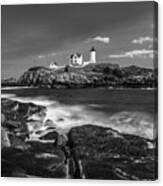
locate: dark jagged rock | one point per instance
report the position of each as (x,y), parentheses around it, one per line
(93,75)
(21,155)
(93,152)
(5,142)
(36,163)
(12,124)
(17,111)
(50,136)
(102,153)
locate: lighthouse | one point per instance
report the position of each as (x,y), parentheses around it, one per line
(92,55)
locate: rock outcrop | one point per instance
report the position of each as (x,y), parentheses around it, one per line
(93,75)
(9,82)
(33,147)
(103,153)
(28,148)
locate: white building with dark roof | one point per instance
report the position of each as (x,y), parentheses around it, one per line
(54,66)
(76,60)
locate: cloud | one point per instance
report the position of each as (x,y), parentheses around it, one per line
(51,54)
(105,40)
(143,40)
(41,56)
(47,55)
(143,53)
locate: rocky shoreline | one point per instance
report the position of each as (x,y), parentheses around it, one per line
(90,76)
(33,147)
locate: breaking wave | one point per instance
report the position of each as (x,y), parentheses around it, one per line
(14,88)
(68,116)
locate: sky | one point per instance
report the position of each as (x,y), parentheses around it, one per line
(35,35)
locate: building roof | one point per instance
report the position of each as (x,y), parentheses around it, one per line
(53,63)
(77,54)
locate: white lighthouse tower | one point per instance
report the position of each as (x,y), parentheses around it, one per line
(92,55)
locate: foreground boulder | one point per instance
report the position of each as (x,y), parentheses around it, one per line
(103,153)
(28,151)
(32,147)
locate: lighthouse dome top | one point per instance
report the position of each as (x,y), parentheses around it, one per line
(93,49)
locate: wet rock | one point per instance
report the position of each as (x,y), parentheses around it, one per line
(12,124)
(62,140)
(2,119)
(22,156)
(17,111)
(50,160)
(17,142)
(49,123)
(31,148)
(13,158)
(60,119)
(34,125)
(50,136)
(5,142)
(38,116)
(102,153)
(20,173)
(40,159)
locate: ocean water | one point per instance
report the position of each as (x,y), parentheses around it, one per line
(131,111)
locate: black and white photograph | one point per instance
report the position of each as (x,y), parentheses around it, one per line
(79,90)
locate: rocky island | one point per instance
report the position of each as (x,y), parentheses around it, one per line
(35,147)
(90,76)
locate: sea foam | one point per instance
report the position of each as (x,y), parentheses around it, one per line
(67,116)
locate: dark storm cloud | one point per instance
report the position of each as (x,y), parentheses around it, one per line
(29,30)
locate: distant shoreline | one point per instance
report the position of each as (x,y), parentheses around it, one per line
(109,88)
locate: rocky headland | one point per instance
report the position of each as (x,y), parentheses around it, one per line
(92,75)
(35,147)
